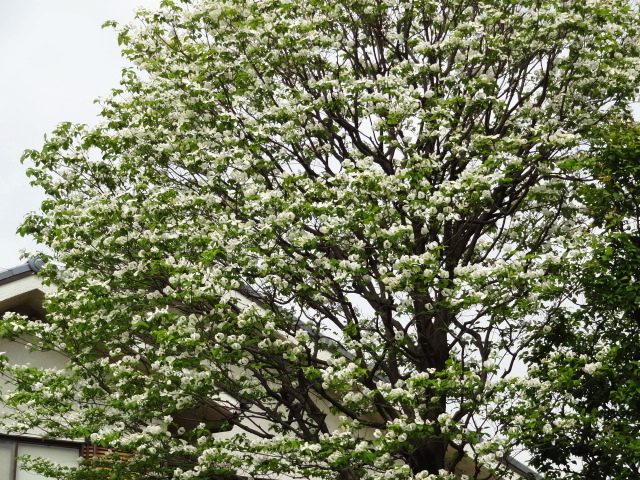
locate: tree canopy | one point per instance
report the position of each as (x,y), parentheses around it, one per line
(326,239)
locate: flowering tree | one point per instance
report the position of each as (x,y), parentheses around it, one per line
(314,238)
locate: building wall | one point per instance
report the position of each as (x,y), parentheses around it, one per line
(24,295)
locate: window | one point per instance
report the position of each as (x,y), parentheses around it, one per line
(63,453)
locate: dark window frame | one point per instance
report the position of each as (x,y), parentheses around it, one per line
(17,440)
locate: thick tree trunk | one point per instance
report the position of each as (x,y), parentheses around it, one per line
(429,454)
(428,457)
(349,475)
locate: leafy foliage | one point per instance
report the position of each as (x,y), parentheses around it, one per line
(589,356)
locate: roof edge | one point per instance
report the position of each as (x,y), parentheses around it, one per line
(522,468)
(30,267)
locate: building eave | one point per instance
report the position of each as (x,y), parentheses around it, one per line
(30,267)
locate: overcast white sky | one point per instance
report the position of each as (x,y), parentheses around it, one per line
(54,60)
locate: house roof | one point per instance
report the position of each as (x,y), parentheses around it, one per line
(522,469)
(21,290)
(30,267)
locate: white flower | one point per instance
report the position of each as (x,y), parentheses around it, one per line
(592,367)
